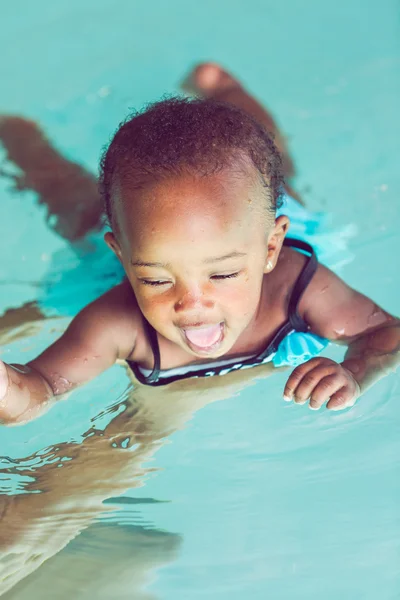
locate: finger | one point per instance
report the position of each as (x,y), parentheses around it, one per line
(297,375)
(343,398)
(306,386)
(325,389)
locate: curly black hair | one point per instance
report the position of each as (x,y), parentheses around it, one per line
(197,135)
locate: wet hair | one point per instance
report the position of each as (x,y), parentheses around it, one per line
(200,136)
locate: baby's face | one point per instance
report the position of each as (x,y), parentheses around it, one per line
(195,251)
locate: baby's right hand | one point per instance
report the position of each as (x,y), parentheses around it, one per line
(21,391)
(3,381)
(14,395)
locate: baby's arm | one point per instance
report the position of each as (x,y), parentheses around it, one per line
(103,332)
(337,312)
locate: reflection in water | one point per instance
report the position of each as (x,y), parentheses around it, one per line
(105,561)
(68,486)
(68,191)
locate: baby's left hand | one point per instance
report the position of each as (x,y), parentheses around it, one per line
(320,380)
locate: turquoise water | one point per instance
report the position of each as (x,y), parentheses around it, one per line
(117,493)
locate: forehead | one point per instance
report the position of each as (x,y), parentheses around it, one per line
(189,205)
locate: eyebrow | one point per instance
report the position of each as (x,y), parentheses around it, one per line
(214,259)
(141,263)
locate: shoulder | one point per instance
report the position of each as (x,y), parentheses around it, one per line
(114,316)
(325,290)
(335,310)
(322,286)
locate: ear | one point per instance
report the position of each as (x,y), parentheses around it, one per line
(113,244)
(275,241)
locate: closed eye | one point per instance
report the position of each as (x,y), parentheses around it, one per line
(153,282)
(225,276)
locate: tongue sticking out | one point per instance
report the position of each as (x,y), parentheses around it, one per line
(204,336)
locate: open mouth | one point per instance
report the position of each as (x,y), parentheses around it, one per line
(204,339)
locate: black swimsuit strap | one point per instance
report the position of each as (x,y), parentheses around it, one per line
(294,322)
(307,273)
(155,373)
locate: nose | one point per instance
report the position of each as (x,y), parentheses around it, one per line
(192,298)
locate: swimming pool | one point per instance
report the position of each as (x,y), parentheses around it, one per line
(121,494)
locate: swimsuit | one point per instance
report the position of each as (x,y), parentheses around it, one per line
(291,345)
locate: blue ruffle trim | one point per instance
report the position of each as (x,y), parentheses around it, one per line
(297,348)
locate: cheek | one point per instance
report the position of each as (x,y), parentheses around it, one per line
(241,299)
(155,308)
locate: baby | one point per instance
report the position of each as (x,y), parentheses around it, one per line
(213,281)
